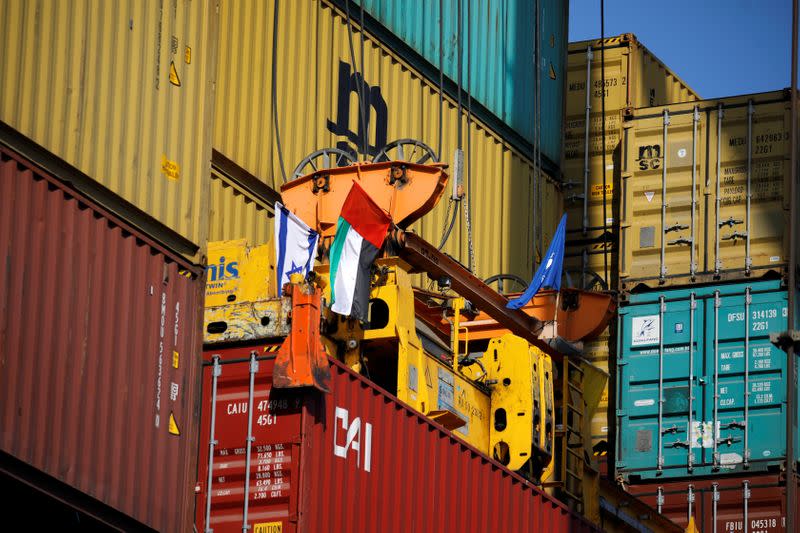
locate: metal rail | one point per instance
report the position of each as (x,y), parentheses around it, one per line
(717,259)
(693,237)
(250,438)
(715,424)
(747,300)
(748,260)
(589,57)
(662,308)
(212,441)
(663,269)
(690,440)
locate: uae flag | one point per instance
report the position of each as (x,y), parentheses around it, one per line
(360,232)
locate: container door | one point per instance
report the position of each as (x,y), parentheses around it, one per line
(662,208)
(655,389)
(748,168)
(239,404)
(744,399)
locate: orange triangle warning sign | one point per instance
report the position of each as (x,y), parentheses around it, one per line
(173,426)
(173,75)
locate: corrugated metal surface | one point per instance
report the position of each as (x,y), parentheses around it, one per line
(100,336)
(741,408)
(498,49)
(634,77)
(317,102)
(91,82)
(396,470)
(236,213)
(727,237)
(763,510)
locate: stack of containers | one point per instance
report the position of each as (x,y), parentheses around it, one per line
(634,77)
(704,251)
(293,78)
(105,109)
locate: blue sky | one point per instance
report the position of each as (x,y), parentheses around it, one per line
(720,48)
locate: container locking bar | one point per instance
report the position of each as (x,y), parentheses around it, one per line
(715,425)
(747,301)
(746,503)
(663,269)
(589,57)
(662,308)
(212,441)
(250,438)
(690,432)
(693,259)
(715,502)
(660,499)
(717,258)
(690,500)
(748,261)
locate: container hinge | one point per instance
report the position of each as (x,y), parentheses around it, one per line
(730,222)
(675,227)
(681,240)
(735,235)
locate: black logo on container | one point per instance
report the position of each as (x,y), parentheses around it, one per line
(371,100)
(649,157)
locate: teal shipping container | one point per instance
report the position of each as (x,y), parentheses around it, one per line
(701,390)
(497,61)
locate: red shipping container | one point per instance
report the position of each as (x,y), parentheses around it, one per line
(99,343)
(754,504)
(356,459)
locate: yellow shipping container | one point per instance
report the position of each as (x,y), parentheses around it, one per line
(634,77)
(122,91)
(705,191)
(289,84)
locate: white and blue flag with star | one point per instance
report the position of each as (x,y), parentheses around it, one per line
(295,245)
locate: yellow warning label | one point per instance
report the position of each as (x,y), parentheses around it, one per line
(173,426)
(170,169)
(173,75)
(176,359)
(597,190)
(552,72)
(187,55)
(268,527)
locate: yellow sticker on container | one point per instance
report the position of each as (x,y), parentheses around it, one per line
(268,527)
(170,169)
(597,190)
(173,426)
(173,75)
(187,55)
(176,358)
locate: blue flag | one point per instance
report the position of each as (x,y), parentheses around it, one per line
(549,272)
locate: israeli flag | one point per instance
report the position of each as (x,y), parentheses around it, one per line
(549,272)
(295,245)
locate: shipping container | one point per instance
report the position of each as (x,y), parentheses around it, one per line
(705,191)
(621,512)
(356,459)
(99,365)
(497,66)
(236,212)
(749,504)
(305,67)
(634,77)
(700,387)
(123,92)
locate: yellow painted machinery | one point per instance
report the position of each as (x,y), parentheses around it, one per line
(457,355)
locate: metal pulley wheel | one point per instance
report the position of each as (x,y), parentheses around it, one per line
(587,280)
(512,279)
(322,159)
(406,150)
